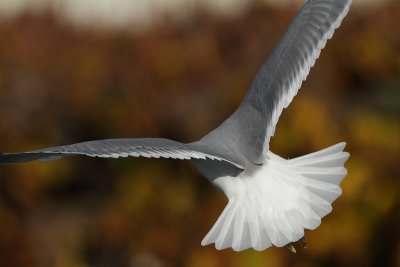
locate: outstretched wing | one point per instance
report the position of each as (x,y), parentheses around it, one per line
(115,148)
(277,82)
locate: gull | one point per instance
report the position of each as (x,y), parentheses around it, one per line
(271,200)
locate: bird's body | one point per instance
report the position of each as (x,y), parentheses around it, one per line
(271,200)
(273,203)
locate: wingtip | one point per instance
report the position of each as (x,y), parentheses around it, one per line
(13,158)
(5,159)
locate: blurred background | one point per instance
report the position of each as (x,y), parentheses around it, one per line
(73,71)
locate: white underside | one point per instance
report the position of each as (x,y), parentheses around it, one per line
(274,205)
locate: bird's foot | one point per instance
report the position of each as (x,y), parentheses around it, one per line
(302,241)
(291,248)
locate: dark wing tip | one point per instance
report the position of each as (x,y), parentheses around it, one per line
(11,158)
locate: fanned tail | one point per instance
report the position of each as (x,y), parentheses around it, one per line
(274,205)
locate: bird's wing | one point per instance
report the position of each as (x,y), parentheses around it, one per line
(277,82)
(115,148)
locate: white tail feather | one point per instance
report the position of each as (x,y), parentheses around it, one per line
(273,205)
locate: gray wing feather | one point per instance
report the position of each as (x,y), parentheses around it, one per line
(116,148)
(277,82)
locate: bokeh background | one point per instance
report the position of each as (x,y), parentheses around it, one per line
(74,70)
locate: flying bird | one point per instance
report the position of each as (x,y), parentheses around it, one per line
(271,200)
